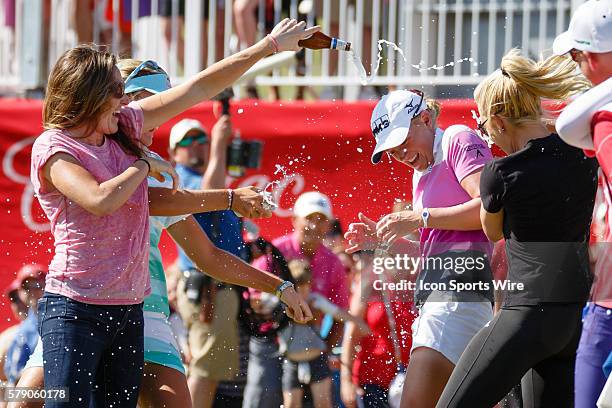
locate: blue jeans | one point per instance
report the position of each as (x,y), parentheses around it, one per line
(96,351)
(595,346)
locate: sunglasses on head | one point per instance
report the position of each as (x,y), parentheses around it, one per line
(149,64)
(201,139)
(481,128)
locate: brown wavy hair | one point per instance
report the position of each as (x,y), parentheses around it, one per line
(79,91)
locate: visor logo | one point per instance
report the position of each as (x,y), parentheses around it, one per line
(380,124)
(410,107)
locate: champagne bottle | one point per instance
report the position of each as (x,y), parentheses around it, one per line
(320,41)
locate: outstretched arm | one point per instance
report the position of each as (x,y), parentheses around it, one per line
(247,201)
(225,267)
(163,106)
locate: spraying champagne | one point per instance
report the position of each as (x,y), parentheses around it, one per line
(320,41)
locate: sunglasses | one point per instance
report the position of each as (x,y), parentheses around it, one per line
(201,139)
(481,128)
(117,89)
(422,96)
(576,55)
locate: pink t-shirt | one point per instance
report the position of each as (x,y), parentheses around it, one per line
(97,260)
(328,273)
(458,152)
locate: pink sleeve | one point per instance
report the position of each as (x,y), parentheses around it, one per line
(45,146)
(467,153)
(262,263)
(131,120)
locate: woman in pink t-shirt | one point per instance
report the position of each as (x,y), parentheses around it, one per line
(452,248)
(89,174)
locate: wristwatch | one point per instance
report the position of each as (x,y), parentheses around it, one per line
(282,287)
(425,217)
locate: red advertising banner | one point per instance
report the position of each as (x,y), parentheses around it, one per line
(323,146)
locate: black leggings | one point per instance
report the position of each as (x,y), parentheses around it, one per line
(534,343)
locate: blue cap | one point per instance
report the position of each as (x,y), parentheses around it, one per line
(154,83)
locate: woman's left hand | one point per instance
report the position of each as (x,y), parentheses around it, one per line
(297,308)
(397,225)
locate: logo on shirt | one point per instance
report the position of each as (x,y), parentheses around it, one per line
(380,124)
(477,148)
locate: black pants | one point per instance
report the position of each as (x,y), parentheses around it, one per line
(534,343)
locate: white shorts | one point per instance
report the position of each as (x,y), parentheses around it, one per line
(448,327)
(160,346)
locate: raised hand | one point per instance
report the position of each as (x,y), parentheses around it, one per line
(248,202)
(361,235)
(297,308)
(288,32)
(158,166)
(393,226)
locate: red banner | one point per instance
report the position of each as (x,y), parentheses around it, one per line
(325,146)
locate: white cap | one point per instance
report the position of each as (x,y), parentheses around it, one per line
(313,202)
(590,29)
(391,119)
(181,129)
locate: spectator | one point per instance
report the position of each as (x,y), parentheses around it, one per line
(370,359)
(587,123)
(210,312)
(312,215)
(18,306)
(305,352)
(31,286)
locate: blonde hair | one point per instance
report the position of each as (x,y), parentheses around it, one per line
(434,108)
(516,90)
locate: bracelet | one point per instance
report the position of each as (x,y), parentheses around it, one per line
(230,198)
(274,42)
(148,165)
(279,290)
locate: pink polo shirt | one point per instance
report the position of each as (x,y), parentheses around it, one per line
(97,260)
(458,152)
(328,273)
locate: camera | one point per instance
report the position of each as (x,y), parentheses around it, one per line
(242,155)
(197,285)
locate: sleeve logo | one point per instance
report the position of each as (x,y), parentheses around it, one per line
(477,148)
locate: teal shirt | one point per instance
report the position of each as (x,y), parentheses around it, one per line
(157,301)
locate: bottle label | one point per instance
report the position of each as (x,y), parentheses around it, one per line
(338,44)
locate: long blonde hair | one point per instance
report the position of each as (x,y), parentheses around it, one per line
(516,90)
